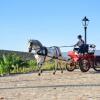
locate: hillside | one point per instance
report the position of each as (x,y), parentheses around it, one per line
(24,55)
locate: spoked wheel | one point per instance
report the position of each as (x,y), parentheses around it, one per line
(70,67)
(96,67)
(84,65)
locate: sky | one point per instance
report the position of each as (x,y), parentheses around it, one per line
(52,22)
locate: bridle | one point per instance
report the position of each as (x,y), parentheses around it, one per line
(31,48)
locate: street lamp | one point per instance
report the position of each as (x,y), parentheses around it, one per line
(85,22)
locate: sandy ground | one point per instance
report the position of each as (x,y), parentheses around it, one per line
(67,86)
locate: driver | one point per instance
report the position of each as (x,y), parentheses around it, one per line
(79,43)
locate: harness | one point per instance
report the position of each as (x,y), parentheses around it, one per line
(43,52)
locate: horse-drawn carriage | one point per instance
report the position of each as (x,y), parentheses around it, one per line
(84,58)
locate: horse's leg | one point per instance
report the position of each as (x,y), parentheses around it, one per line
(60,65)
(56,65)
(40,70)
(60,62)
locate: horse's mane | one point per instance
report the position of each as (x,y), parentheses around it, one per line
(35,42)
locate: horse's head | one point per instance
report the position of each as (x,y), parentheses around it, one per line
(34,45)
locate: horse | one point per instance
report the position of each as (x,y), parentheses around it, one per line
(43,54)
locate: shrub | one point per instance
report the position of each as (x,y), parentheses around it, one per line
(32,64)
(11,63)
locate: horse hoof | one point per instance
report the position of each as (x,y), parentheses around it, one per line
(39,74)
(53,73)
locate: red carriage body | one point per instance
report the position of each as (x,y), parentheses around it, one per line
(85,60)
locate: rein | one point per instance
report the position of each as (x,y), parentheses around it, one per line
(65,46)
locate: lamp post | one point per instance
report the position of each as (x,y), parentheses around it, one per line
(85,22)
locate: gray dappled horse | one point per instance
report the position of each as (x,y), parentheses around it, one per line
(43,54)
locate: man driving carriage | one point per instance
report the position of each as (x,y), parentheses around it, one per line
(82,47)
(79,44)
(80,41)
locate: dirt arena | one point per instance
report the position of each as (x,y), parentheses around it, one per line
(67,86)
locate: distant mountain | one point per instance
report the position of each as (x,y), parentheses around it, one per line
(64,54)
(97,52)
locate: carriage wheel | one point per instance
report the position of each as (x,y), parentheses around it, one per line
(96,67)
(70,67)
(84,65)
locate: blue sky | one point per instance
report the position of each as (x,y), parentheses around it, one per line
(53,22)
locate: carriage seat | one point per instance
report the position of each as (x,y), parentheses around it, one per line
(84,48)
